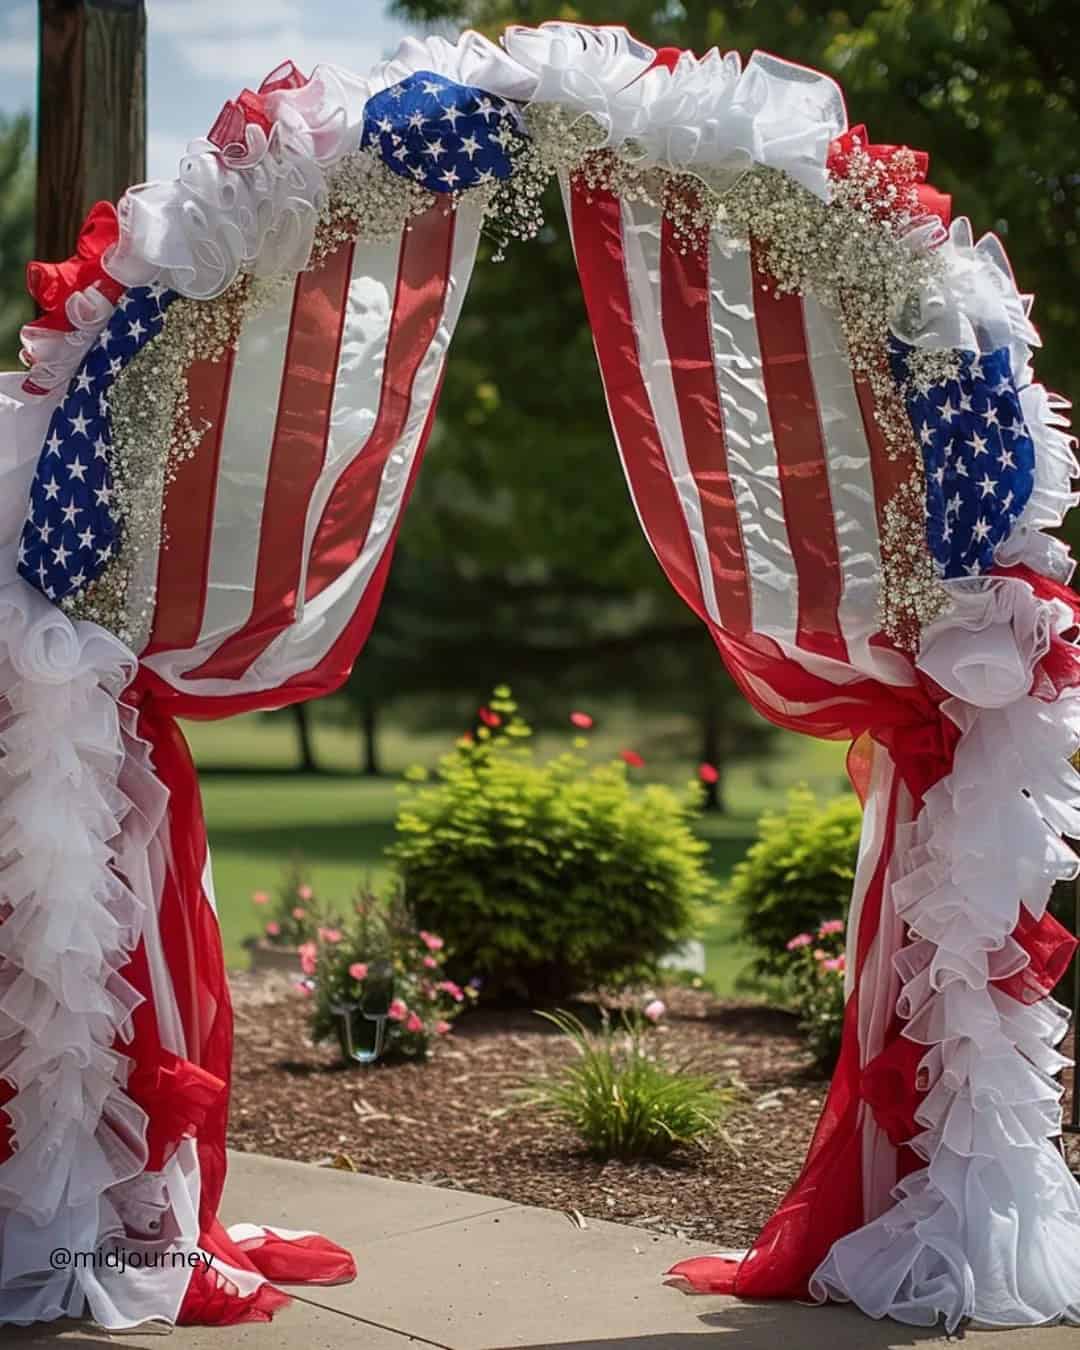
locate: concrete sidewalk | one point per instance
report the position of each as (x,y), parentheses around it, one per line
(468,1272)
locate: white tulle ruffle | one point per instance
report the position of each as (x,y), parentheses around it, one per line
(55,354)
(989,1229)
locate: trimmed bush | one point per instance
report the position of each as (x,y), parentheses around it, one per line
(547,879)
(797,874)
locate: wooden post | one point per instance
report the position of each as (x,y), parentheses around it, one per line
(91,113)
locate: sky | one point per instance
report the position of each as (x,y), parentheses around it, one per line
(202,52)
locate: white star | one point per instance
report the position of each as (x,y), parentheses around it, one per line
(980,530)
(988,485)
(965,402)
(1005,459)
(103,495)
(416,119)
(1002,386)
(451,115)
(52,490)
(104,554)
(939,474)
(504,136)
(975,370)
(483,179)
(946,533)
(83,382)
(78,580)
(54,443)
(50,592)
(136,329)
(116,365)
(1008,500)
(948,412)
(123,302)
(41,571)
(485,107)
(954,504)
(79,424)
(99,448)
(961,468)
(990,416)
(105,338)
(86,538)
(70,512)
(60,555)
(155,290)
(385,125)
(22,554)
(926,436)
(434,149)
(401,152)
(470,145)
(416,171)
(103,406)
(973,569)
(977,444)
(432,88)
(45,531)
(450,177)
(77,469)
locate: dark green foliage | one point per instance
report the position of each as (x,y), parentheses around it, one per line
(548,878)
(797,874)
(16,233)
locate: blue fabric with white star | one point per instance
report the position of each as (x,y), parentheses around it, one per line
(978,456)
(445,136)
(73,528)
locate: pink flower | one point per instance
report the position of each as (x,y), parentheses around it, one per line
(655,1010)
(430,962)
(397,1011)
(582,720)
(260,898)
(330,935)
(834,964)
(299,913)
(309,957)
(431,941)
(304,892)
(831,926)
(799,940)
(454,990)
(708,773)
(414,1023)
(632,758)
(489,718)
(442,1028)
(820,954)
(273,929)
(358,970)
(302,987)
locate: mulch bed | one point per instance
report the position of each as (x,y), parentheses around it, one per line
(453,1121)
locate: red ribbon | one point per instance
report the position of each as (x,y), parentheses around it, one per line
(250,108)
(933,202)
(51,283)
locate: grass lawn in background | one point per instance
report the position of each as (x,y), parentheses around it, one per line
(261,816)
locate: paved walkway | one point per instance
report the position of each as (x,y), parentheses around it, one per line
(467,1272)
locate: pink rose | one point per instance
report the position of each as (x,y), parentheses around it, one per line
(309,957)
(430,962)
(330,935)
(304,892)
(398,1011)
(655,1010)
(632,758)
(830,926)
(260,898)
(582,720)
(414,1023)
(431,941)
(799,940)
(820,954)
(273,929)
(358,970)
(454,990)
(442,1028)
(834,964)
(299,913)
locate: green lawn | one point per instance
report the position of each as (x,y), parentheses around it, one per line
(261,816)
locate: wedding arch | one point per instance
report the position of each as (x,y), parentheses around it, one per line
(821,391)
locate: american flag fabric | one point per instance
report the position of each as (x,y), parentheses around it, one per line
(73,527)
(978,456)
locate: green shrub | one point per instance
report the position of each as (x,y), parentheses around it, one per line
(548,878)
(622,1100)
(814,985)
(797,874)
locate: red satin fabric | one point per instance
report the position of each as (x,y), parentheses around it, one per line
(191,1097)
(51,283)
(250,108)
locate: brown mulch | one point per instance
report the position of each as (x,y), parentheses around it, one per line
(453,1122)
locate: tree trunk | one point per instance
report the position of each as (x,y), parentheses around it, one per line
(712,752)
(369,732)
(91,113)
(304,742)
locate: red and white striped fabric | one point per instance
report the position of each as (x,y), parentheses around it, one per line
(280,531)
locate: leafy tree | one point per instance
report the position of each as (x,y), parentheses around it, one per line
(16,232)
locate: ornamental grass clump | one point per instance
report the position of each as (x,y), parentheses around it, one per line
(622,1100)
(549,878)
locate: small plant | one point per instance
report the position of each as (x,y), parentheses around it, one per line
(549,878)
(797,873)
(290,916)
(815,986)
(382,933)
(620,1097)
